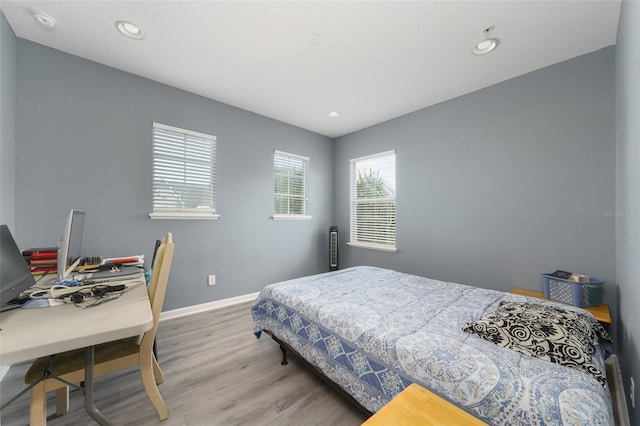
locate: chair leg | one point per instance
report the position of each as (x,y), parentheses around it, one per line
(62,400)
(149,382)
(38,408)
(157,372)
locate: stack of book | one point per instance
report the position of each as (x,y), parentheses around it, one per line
(41,260)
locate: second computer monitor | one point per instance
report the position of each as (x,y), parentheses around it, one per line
(70,247)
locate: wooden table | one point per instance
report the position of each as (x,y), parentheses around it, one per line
(417,406)
(601,313)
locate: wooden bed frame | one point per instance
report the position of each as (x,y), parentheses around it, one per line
(285,347)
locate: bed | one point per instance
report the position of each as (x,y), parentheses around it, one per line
(374,331)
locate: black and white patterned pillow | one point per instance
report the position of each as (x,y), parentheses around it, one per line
(548,332)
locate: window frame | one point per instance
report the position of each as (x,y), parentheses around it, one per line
(305,187)
(201,139)
(353,202)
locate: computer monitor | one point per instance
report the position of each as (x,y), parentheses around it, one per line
(15,276)
(71,244)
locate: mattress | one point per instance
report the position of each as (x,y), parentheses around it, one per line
(374,331)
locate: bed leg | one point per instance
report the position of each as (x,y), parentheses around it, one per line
(284,355)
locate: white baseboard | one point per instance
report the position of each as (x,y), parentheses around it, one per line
(204,307)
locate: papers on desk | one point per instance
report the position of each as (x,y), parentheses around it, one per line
(118,268)
(137,260)
(126,260)
(116,273)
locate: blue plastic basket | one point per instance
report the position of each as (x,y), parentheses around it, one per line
(571,292)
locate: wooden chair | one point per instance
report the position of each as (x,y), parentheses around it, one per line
(109,357)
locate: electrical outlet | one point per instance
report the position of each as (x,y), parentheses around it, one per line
(632,392)
(212,280)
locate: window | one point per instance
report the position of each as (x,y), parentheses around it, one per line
(373,201)
(291,185)
(184,166)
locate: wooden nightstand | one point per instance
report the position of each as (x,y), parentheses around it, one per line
(601,313)
(417,406)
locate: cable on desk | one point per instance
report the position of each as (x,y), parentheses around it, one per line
(43,275)
(95,293)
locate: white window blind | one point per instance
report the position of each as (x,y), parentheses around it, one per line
(373,201)
(184,165)
(291,185)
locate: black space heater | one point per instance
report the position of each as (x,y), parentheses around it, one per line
(333,248)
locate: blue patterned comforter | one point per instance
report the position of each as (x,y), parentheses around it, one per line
(375,331)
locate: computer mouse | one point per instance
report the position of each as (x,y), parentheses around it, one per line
(41,303)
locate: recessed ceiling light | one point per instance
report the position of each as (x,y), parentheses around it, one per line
(44,20)
(130,30)
(315,39)
(333,114)
(487,45)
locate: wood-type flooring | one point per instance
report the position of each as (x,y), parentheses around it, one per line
(216,373)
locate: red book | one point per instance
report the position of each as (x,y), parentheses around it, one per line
(46,255)
(42,270)
(38,250)
(43,262)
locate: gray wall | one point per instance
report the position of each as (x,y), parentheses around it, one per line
(498,186)
(8,54)
(627,199)
(83,135)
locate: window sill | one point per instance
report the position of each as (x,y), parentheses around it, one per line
(200,216)
(290,217)
(379,247)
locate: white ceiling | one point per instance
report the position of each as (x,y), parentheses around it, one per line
(295,61)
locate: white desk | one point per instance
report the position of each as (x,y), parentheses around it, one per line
(31,333)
